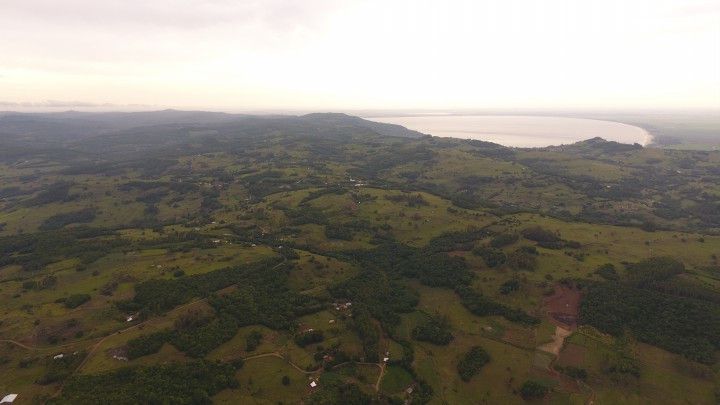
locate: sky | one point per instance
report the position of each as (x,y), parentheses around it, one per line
(239,55)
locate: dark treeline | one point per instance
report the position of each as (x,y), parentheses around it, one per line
(434,269)
(33,251)
(678,324)
(147,344)
(260,298)
(253,340)
(451,241)
(504,239)
(339,190)
(641,303)
(59,369)
(197,340)
(263,298)
(178,187)
(160,295)
(435,330)
(376,291)
(481,305)
(368,332)
(268,182)
(58,221)
(36,250)
(649,272)
(308,338)
(175,383)
(306,215)
(383,296)
(55,192)
(337,392)
(409,199)
(493,257)
(75,300)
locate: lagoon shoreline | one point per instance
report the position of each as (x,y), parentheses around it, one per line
(520,131)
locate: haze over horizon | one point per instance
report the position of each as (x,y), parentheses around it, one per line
(340,55)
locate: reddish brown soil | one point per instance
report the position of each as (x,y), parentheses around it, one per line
(563,306)
(572,355)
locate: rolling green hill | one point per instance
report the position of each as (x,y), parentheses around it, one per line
(203,257)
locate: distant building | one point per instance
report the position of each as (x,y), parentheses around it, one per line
(9,399)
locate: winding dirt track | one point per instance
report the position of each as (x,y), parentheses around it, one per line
(24,346)
(280,356)
(380,376)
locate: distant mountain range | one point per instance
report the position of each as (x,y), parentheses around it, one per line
(77,125)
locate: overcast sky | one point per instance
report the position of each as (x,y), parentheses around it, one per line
(347,54)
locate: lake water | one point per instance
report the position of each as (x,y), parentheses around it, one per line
(521,131)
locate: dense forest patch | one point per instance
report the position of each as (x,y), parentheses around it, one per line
(472,362)
(188,383)
(682,325)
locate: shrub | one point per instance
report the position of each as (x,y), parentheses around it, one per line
(522,260)
(58,221)
(252,341)
(472,362)
(338,232)
(607,271)
(533,390)
(198,341)
(480,305)
(539,234)
(509,286)
(146,344)
(572,244)
(503,239)
(436,330)
(309,337)
(492,257)
(574,372)
(551,244)
(76,300)
(59,369)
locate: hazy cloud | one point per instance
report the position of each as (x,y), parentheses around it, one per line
(363,53)
(281,15)
(59,104)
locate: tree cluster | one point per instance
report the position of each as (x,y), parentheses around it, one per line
(472,362)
